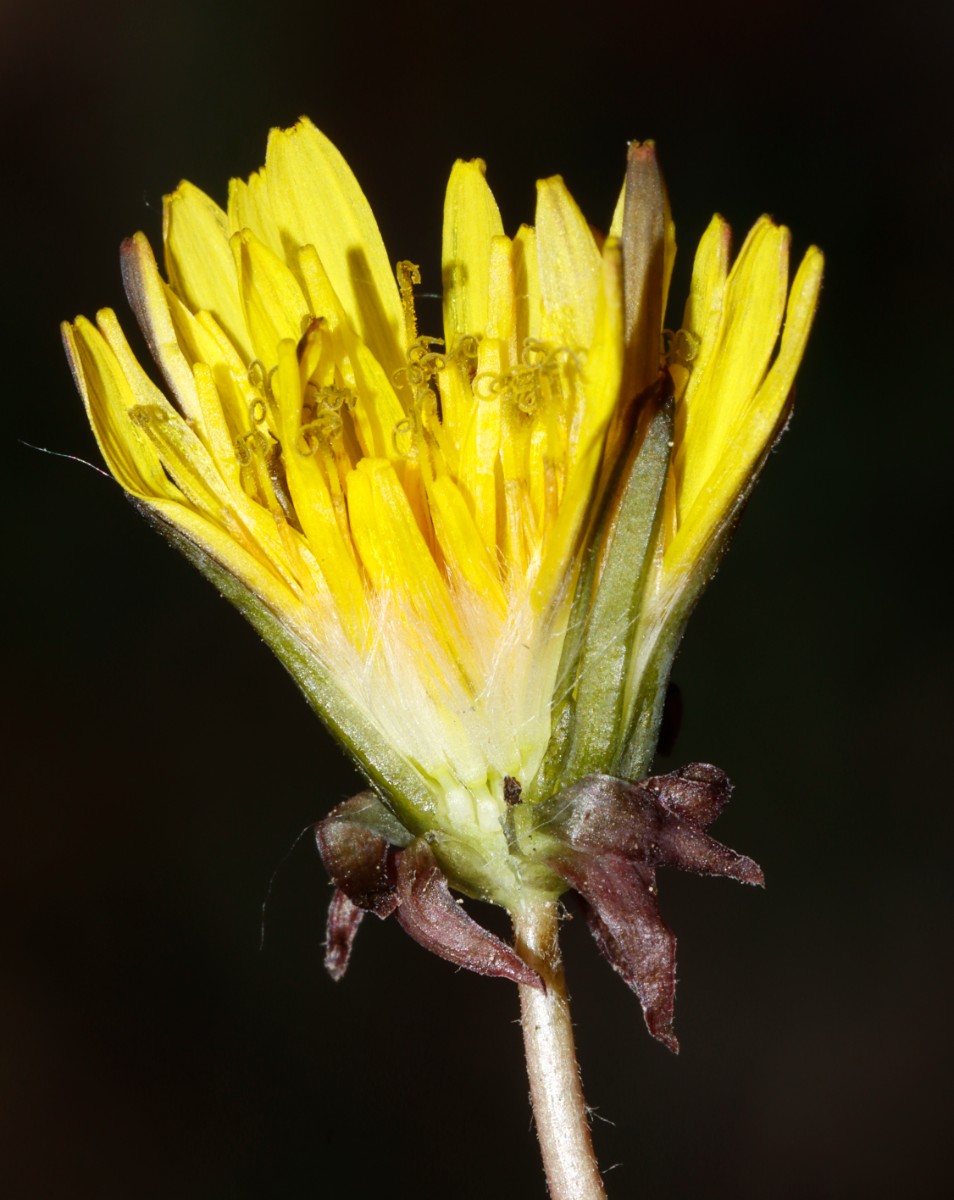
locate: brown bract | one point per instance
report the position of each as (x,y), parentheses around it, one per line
(371,874)
(612,836)
(604,836)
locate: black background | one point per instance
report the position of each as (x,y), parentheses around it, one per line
(160,764)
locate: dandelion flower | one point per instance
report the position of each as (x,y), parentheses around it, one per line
(475,552)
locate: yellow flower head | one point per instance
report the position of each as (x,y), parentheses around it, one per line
(408,518)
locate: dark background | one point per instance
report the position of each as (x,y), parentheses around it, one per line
(160,765)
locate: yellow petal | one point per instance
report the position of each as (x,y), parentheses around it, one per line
(377,405)
(604,366)
(501,300)
(146,292)
(755,427)
(257,575)
(144,442)
(394,551)
(128,452)
(313,501)
(317,201)
(377,411)
(188,462)
(323,300)
(697,339)
(273,302)
(471,221)
(569,264)
(250,208)
(222,417)
(465,551)
(183,455)
(603,362)
(226,404)
(180,452)
(753,305)
(213,428)
(694,343)
(799,315)
(456,403)
(478,464)
(198,260)
(526,286)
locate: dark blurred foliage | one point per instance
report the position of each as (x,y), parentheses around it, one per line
(160,764)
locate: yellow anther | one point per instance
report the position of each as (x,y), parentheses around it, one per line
(261,378)
(329,422)
(534,353)
(683,347)
(562,356)
(466,347)
(408,276)
(420,348)
(250,443)
(422,367)
(326,426)
(405,439)
(328,398)
(255,453)
(411,374)
(486,385)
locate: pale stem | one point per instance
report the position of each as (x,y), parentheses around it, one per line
(559,1109)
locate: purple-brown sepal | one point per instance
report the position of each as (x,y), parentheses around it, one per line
(377,867)
(609,836)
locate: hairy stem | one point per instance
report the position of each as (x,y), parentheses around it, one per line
(558,1106)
